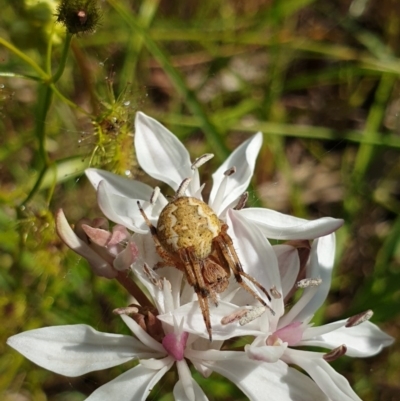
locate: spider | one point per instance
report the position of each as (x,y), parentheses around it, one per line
(190,237)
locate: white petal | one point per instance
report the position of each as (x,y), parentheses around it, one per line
(322,258)
(193,321)
(266,381)
(334,385)
(77,349)
(133,385)
(161,154)
(256,254)
(119,185)
(185,377)
(363,340)
(180,394)
(289,266)
(266,353)
(244,159)
(120,209)
(98,264)
(144,338)
(284,227)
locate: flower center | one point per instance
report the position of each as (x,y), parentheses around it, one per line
(291,334)
(175,344)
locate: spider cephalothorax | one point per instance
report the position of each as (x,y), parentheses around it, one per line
(190,236)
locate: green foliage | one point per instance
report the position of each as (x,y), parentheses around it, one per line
(319,79)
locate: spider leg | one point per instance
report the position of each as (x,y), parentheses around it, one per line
(228,254)
(193,269)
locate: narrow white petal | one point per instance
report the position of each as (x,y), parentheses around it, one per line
(256,254)
(334,385)
(267,381)
(244,159)
(289,266)
(98,264)
(160,153)
(133,385)
(120,210)
(185,377)
(266,353)
(322,258)
(119,185)
(363,340)
(193,321)
(144,338)
(180,394)
(284,227)
(317,331)
(77,349)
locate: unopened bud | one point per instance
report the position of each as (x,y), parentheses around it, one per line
(78,15)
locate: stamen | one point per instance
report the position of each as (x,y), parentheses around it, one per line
(128,310)
(234,317)
(242,201)
(275,293)
(152,276)
(201,160)
(252,314)
(154,195)
(335,353)
(182,188)
(230,171)
(309,282)
(358,319)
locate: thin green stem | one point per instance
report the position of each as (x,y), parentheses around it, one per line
(44,76)
(63,59)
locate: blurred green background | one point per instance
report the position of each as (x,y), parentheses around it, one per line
(320,79)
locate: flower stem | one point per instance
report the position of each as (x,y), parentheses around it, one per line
(133,289)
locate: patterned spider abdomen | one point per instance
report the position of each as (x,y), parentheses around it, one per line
(188,222)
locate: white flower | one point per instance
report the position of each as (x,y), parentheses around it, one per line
(279,332)
(162,156)
(78,349)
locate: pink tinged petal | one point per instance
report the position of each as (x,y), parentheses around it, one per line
(133,385)
(161,154)
(181,395)
(363,340)
(265,353)
(185,377)
(193,321)
(97,235)
(322,258)
(175,344)
(127,257)
(77,349)
(334,385)
(289,266)
(284,227)
(264,381)
(143,337)
(119,185)
(243,158)
(256,254)
(119,234)
(291,334)
(97,263)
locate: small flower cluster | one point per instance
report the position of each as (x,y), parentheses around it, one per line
(169,328)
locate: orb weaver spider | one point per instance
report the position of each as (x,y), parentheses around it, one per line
(190,237)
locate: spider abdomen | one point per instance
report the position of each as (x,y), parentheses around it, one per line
(188,222)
